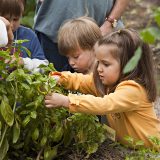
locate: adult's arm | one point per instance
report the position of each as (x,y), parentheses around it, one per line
(117,11)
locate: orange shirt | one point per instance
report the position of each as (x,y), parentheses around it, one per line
(128,109)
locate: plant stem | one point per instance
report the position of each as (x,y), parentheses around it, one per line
(3,135)
(39,154)
(15,102)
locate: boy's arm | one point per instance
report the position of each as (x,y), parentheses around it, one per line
(33,64)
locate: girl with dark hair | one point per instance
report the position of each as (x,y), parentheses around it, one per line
(125,98)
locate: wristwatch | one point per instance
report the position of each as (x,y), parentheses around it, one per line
(112,21)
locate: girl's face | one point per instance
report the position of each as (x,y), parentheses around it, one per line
(108,66)
(14,21)
(82,61)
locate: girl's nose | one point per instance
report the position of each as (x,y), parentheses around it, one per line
(99,68)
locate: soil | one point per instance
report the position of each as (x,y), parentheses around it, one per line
(137,16)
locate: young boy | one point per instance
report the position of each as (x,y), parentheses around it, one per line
(76,39)
(12,10)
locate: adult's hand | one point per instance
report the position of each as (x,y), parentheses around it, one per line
(9,30)
(116,12)
(106,28)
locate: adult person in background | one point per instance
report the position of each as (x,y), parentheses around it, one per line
(52,14)
(6,35)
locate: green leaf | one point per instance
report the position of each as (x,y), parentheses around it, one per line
(43,141)
(133,61)
(26,120)
(157,16)
(30,104)
(25,86)
(52,82)
(129,139)
(28,20)
(16,132)
(68,136)
(139,143)
(50,153)
(7,112)
(38,101)
(5,54)
(148,35)
(58,133)
(152,31)
(11,77)
(154,140)
(92,148)
(27,51)
(3,149)
(33,114)
(0,127)
(24,112)
(20,41)
(35,134)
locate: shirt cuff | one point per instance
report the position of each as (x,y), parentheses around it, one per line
(74,102)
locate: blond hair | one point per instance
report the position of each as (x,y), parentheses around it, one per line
(77,33)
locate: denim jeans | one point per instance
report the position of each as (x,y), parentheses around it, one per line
(51,52)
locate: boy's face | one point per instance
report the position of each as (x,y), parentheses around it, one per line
(14,21)
(81,60)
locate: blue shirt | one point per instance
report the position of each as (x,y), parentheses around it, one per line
(33,45)
(53,13)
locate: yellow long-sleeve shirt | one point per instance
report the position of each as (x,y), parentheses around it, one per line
(128,109)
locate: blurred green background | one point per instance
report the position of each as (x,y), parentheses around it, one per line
(28,16)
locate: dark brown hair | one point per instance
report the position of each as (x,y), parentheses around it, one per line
(127,42)
(11,7)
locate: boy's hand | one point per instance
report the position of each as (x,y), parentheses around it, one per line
(20,60)
(56,100)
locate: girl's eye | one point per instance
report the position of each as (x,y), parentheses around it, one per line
(76,57)
(106,64)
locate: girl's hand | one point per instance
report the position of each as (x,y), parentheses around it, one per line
(55,75)
(56,100)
